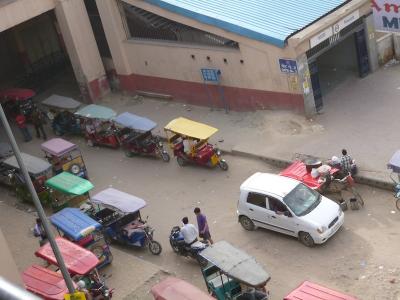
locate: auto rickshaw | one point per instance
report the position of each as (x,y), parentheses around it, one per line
(46,283)
(329,181)
(394,165)
(119,214)
(195,135)
(136,136)
(173,288)
(233,274)
(64,157)
(39,171)
(68,190)
(16,100)
(312,291)
(77,227)
(99,127)
(80,263)
(61,113)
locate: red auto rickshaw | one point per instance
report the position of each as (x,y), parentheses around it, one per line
(17,101)
(99,126)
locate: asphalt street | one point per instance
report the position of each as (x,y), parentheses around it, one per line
(361,259)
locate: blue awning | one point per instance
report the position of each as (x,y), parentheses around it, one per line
(271,21)
(74,223)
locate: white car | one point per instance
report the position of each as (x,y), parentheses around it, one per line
(288,206)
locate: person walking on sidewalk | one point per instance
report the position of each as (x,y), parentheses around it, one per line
(38,120)
(204,230)
(21,123)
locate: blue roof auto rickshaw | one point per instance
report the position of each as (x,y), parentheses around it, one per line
(233,274)
(76,226)
(65,156)
(61,113)
(68,190)
(119,213)
(99,127)
(39,171)
(136,136)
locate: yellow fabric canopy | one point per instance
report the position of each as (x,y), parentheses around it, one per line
(190,128)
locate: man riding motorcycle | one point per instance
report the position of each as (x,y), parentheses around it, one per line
(189,232)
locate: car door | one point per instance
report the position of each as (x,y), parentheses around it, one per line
(256,206)
(280,218)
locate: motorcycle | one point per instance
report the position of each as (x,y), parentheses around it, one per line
(179,246)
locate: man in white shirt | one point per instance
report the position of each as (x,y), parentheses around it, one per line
(189,232)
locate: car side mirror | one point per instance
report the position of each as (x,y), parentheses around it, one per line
(287,214)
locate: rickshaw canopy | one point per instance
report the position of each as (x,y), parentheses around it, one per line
(94,111)
(394,162)
(135,122)
(16,94)
(62,102)
(74,223)
(45,282)
(33,164)
(236,264)
(190,128)
(173,288)
(312,291)
(117,200)
(69,184)
(58,147)
(78,260)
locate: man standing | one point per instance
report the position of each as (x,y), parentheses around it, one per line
(203,226)
(38,120)
(21,123)
(39,232)
(189,232)
(346,162)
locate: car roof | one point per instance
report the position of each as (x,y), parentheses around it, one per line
(269,183)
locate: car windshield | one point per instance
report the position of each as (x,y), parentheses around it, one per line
(301,200)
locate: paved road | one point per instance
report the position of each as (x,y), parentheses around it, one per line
(361,259)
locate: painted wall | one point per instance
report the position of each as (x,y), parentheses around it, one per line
(385,48)
(18,11)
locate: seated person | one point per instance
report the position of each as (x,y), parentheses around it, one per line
(189,146)
(135,226)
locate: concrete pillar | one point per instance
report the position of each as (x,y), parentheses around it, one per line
(371,43)
(82,48)
(306,86)
(114,29)
(396,42)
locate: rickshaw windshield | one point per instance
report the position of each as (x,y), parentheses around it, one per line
(189,128)
(302,200)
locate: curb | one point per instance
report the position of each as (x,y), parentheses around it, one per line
(283,163)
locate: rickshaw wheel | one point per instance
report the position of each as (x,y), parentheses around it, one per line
(223,165)
(155,247)
(181,161)
(306,239)
(165,157)
(247,223)
(398,204)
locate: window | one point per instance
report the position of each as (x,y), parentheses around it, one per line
(144,25)
(256,199)
(276,205)
(302,200)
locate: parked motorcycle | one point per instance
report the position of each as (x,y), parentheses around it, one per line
(181,248)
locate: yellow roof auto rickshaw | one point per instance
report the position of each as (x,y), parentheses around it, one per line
(189,142)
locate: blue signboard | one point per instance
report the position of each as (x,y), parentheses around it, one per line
(288,65)
(210,74)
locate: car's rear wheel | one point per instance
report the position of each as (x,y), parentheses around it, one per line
(247,223)
(306,239)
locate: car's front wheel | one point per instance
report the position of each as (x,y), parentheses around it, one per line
(247,223)
(306,239)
